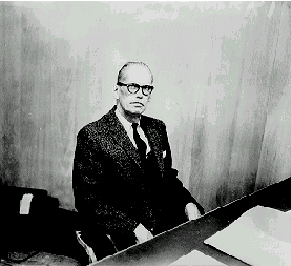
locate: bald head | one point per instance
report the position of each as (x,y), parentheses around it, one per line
(135,69)
(132,103)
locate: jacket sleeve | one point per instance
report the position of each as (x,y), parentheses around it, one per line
(92,193)
(174,184)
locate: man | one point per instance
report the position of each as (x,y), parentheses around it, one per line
(123,178)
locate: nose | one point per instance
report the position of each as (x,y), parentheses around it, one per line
(139,94)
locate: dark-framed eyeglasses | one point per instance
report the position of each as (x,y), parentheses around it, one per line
(134,88)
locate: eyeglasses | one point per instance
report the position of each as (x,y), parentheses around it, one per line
(134,88)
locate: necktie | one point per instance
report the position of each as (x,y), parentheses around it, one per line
(142,147)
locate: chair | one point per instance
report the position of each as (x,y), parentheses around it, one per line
(91,255)
(23,205)
(103,241)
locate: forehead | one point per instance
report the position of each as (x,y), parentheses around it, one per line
(138,74)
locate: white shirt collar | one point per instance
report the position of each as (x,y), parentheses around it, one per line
(124,122)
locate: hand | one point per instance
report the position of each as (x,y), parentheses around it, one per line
(142,234)
(192,212)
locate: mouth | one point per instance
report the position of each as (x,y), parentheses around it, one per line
(137,103)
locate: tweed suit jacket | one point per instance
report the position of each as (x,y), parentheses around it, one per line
(111,186)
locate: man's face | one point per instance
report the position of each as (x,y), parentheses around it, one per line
(134,103)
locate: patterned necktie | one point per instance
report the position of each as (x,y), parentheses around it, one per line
(142,147)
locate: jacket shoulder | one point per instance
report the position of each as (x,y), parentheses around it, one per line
(153,121)
(95,127)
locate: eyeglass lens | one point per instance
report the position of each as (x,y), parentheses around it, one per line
(135,88)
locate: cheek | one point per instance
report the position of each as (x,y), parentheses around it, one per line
(123,97)
(147,101)
(122,94)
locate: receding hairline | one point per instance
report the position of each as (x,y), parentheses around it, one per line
(126,66)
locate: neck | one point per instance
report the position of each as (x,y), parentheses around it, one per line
(130,117)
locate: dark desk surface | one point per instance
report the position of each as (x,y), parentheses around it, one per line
(171,245)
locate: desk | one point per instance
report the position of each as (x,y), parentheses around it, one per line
(171,245)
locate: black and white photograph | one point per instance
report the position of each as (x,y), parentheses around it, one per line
(145,133)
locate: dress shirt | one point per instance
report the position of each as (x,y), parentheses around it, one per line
(129,130)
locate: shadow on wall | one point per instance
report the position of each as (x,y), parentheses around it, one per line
(14,104)
(9,166)
(226,194)
(38,102)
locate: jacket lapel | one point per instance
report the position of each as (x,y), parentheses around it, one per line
(154,140)
(120,137)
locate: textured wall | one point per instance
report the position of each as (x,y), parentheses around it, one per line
(221,76)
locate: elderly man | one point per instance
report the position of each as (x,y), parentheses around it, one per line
(123,179)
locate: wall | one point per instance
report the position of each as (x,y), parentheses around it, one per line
(221,76)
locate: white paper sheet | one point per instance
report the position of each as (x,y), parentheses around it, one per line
(260,237)
(196,258)
(274,222)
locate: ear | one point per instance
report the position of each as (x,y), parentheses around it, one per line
(115,92)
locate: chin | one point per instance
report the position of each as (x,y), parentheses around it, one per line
(136,111)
